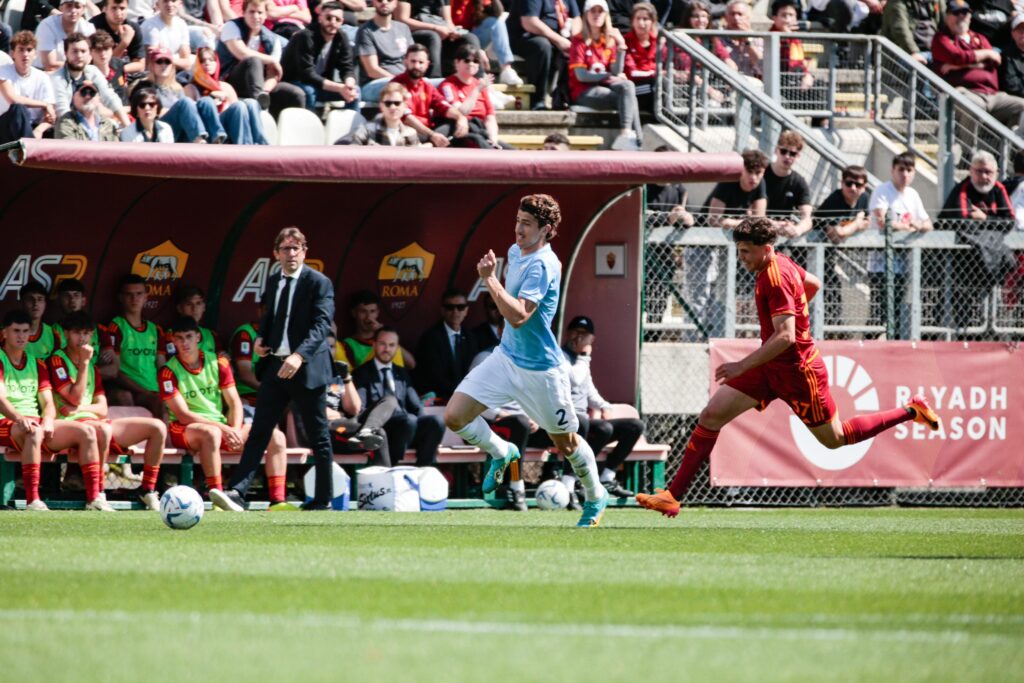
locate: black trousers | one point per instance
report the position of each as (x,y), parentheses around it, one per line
(375,419)
(422,432)
(247,78)
(310,405)
(15,124)
(442,52)
(625,431)
(545,66)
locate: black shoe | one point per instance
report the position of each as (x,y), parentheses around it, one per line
(617,490)
(237,498)
(263,98)
(366,439)
(518,500)
(574,502)
(315,506)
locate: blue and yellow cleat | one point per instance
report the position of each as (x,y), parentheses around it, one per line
(593,510)
(496,472)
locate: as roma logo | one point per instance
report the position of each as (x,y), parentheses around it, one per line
(402,276)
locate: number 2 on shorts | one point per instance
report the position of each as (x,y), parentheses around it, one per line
(562,422)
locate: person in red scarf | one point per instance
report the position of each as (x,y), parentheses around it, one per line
(240,118)
(596,59)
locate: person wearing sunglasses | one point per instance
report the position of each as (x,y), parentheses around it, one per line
(387,128)
(843,213)
(471,96)
(445,350)
(146,109)
(788,192)
(84,121)
(318,59)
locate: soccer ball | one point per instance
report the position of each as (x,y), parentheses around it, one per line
(552,495)
(181,507)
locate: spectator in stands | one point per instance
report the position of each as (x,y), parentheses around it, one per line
(746,53)
(84,121)
(191,120)
(52,31)
(843,213)
(319,60)
(967,61)
(846,16)
(642,52)
(484,19)
(556,142)
(42,340)
(901,203)
(431,24)
(381,44)
(541,33)
(101,47)
(75,71)
(125,37)
(1011,71)
(138,346)
(788,193)
(912,25)
(445,350)
(240,118)
(670,200)
(167,30)
(408,426)
(796,76)
(146,110)
(288,17)
(731,202)
(487,334)
(470,96)
(698,16)
(992,20)
(427,107)
(244,359)
(26,93)
(596,59)
(603,427)
(250,60)
(1015,187)
(387,128)
(357,349)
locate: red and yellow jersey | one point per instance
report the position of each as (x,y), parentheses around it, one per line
(779,290)
(586,56)
(455,91)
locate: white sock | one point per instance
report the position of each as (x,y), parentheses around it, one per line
(478,433)
(517,485)
(585,466)
(570,481)
(607,475)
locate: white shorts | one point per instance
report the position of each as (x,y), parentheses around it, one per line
(544,395)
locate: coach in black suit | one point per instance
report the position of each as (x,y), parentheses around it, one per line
(378,379)
(446,349)
(299,307)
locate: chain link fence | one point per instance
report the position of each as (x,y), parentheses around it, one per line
(949,284)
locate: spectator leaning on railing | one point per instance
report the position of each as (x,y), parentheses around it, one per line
(731,202)
(788,193)
(844,213)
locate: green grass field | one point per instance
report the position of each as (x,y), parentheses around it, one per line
(765,595)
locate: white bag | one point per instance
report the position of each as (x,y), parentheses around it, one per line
(342,486)
(402,489)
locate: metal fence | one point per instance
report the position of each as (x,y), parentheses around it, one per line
(943,289)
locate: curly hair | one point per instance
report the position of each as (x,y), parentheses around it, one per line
(545,209)
(756,230)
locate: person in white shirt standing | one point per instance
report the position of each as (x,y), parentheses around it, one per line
(26,94)
(52,31)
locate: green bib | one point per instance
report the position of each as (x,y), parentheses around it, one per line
(200,390)
(362,351)
(207,344)
(90,387)
(22,385)
(244,390)
(138,353)
(45,345)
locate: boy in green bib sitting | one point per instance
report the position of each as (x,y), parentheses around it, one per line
(138,346)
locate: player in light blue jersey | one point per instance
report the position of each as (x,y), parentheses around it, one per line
(528,367)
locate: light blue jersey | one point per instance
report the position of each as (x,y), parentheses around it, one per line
(537,278)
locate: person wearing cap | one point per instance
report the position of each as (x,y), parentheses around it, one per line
(83,121)
(1011,71)
(77,70)
(52,31)
(26,93)
(191,120)
(603,427)
(967,61)
(596,79)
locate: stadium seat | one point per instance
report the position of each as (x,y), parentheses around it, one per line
(339,123)
(269,127)
(13,11)
(299,127)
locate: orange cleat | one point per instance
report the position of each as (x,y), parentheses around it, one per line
(923,412)
(662,501)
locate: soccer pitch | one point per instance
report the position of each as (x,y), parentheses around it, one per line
(766,595)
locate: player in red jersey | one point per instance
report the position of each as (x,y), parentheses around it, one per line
(787,366)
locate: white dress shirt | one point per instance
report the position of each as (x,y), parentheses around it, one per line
(285,349)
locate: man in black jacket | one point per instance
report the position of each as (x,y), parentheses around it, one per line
(446,349)
(379,380)
(319,60)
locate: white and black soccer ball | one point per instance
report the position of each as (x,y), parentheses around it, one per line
(181,507)
(552,495)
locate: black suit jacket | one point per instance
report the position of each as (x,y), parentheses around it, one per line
(437,368)
(370,386)
(308,326)
(484,337)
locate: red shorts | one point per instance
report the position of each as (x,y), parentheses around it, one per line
(804,387)
(7,439)
(176,432)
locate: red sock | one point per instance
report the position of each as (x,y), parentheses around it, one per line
(276,486)
(30,478)
(866,426)
(149,476)
(698,451)
(91,477)
(214,483)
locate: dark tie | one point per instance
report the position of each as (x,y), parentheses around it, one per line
(280,315)
(389,381)
(458,350)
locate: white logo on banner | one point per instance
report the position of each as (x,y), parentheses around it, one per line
(845,374)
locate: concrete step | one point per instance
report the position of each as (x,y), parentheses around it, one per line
(576,142)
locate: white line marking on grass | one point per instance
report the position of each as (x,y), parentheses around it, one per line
(469,627)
